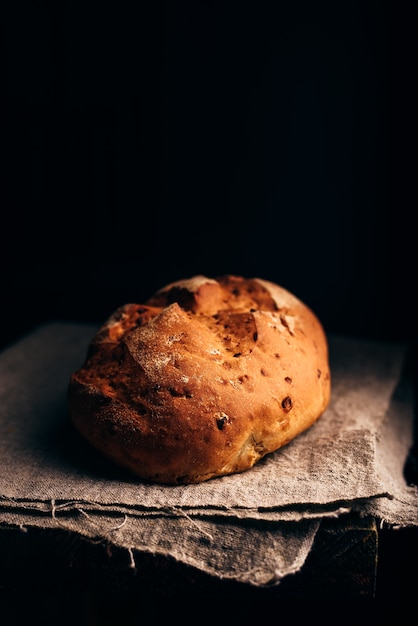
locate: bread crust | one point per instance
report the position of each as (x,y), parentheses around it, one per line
(203,380)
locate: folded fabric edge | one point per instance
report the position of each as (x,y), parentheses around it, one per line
(285,550)
(73,508)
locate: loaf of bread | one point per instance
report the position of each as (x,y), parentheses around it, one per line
(203,380)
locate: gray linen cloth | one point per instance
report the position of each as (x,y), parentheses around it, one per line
(256,527)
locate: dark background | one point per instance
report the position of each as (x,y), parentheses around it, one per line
(143,144)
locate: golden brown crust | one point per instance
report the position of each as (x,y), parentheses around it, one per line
(203,380)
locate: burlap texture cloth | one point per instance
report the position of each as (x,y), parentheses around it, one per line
(256,527)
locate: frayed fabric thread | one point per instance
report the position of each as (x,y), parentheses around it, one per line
(65,505)
(192,521)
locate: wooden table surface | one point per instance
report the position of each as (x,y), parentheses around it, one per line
(52,572)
